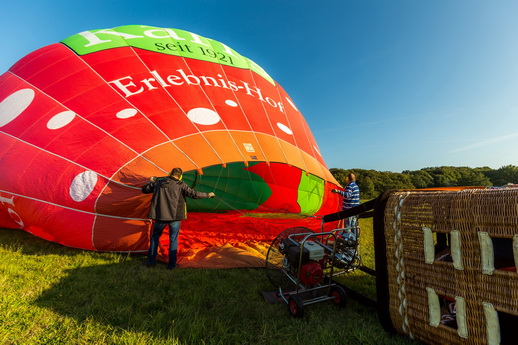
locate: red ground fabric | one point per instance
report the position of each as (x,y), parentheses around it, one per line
(231,239)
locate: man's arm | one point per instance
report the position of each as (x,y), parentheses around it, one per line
(193,194)
(341,192)
(150,186)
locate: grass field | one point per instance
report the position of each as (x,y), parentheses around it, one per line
(52,294)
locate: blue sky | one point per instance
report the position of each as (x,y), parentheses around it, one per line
(385,85)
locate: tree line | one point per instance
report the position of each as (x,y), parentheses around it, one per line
(372,182)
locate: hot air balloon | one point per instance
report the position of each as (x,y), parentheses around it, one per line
(85,122)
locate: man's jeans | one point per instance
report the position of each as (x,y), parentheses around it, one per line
(174,229)
(351,222)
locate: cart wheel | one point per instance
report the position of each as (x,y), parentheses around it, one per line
(340,297)
(274,258)
(295,306)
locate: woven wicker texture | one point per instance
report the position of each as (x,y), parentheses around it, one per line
(473,213)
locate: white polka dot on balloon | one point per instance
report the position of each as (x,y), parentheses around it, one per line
(15,104)
(231,103)
(291,103)
(203,116)
(127,113)
(14,216)
(284,128)
(83,185)
(61,120)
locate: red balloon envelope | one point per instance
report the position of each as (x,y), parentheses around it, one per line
(85,122)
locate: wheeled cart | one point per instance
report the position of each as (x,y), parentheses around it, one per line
(302,263)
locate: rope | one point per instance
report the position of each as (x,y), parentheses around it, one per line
(400,265)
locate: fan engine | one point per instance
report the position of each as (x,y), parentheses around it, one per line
(309,259)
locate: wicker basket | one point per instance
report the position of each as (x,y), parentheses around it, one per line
(451,264)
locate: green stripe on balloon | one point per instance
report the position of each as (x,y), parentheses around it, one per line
(234,186)
(311,193)
(161,40)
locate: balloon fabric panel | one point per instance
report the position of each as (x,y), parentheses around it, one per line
(85,122)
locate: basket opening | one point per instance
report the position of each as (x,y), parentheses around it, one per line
(503,254)
(448,311)
(508,324)
(442,247)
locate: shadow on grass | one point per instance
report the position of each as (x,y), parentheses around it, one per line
(128,301)
(183,304)
(120,293)
(123,297)
(202,306)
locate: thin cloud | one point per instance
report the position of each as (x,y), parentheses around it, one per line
(365,124)
(446,114)
(485,143)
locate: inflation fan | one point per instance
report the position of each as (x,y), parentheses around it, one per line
(302,263)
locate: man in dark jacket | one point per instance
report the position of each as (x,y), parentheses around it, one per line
(168,207)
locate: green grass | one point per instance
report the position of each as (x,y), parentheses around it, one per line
(52,294)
